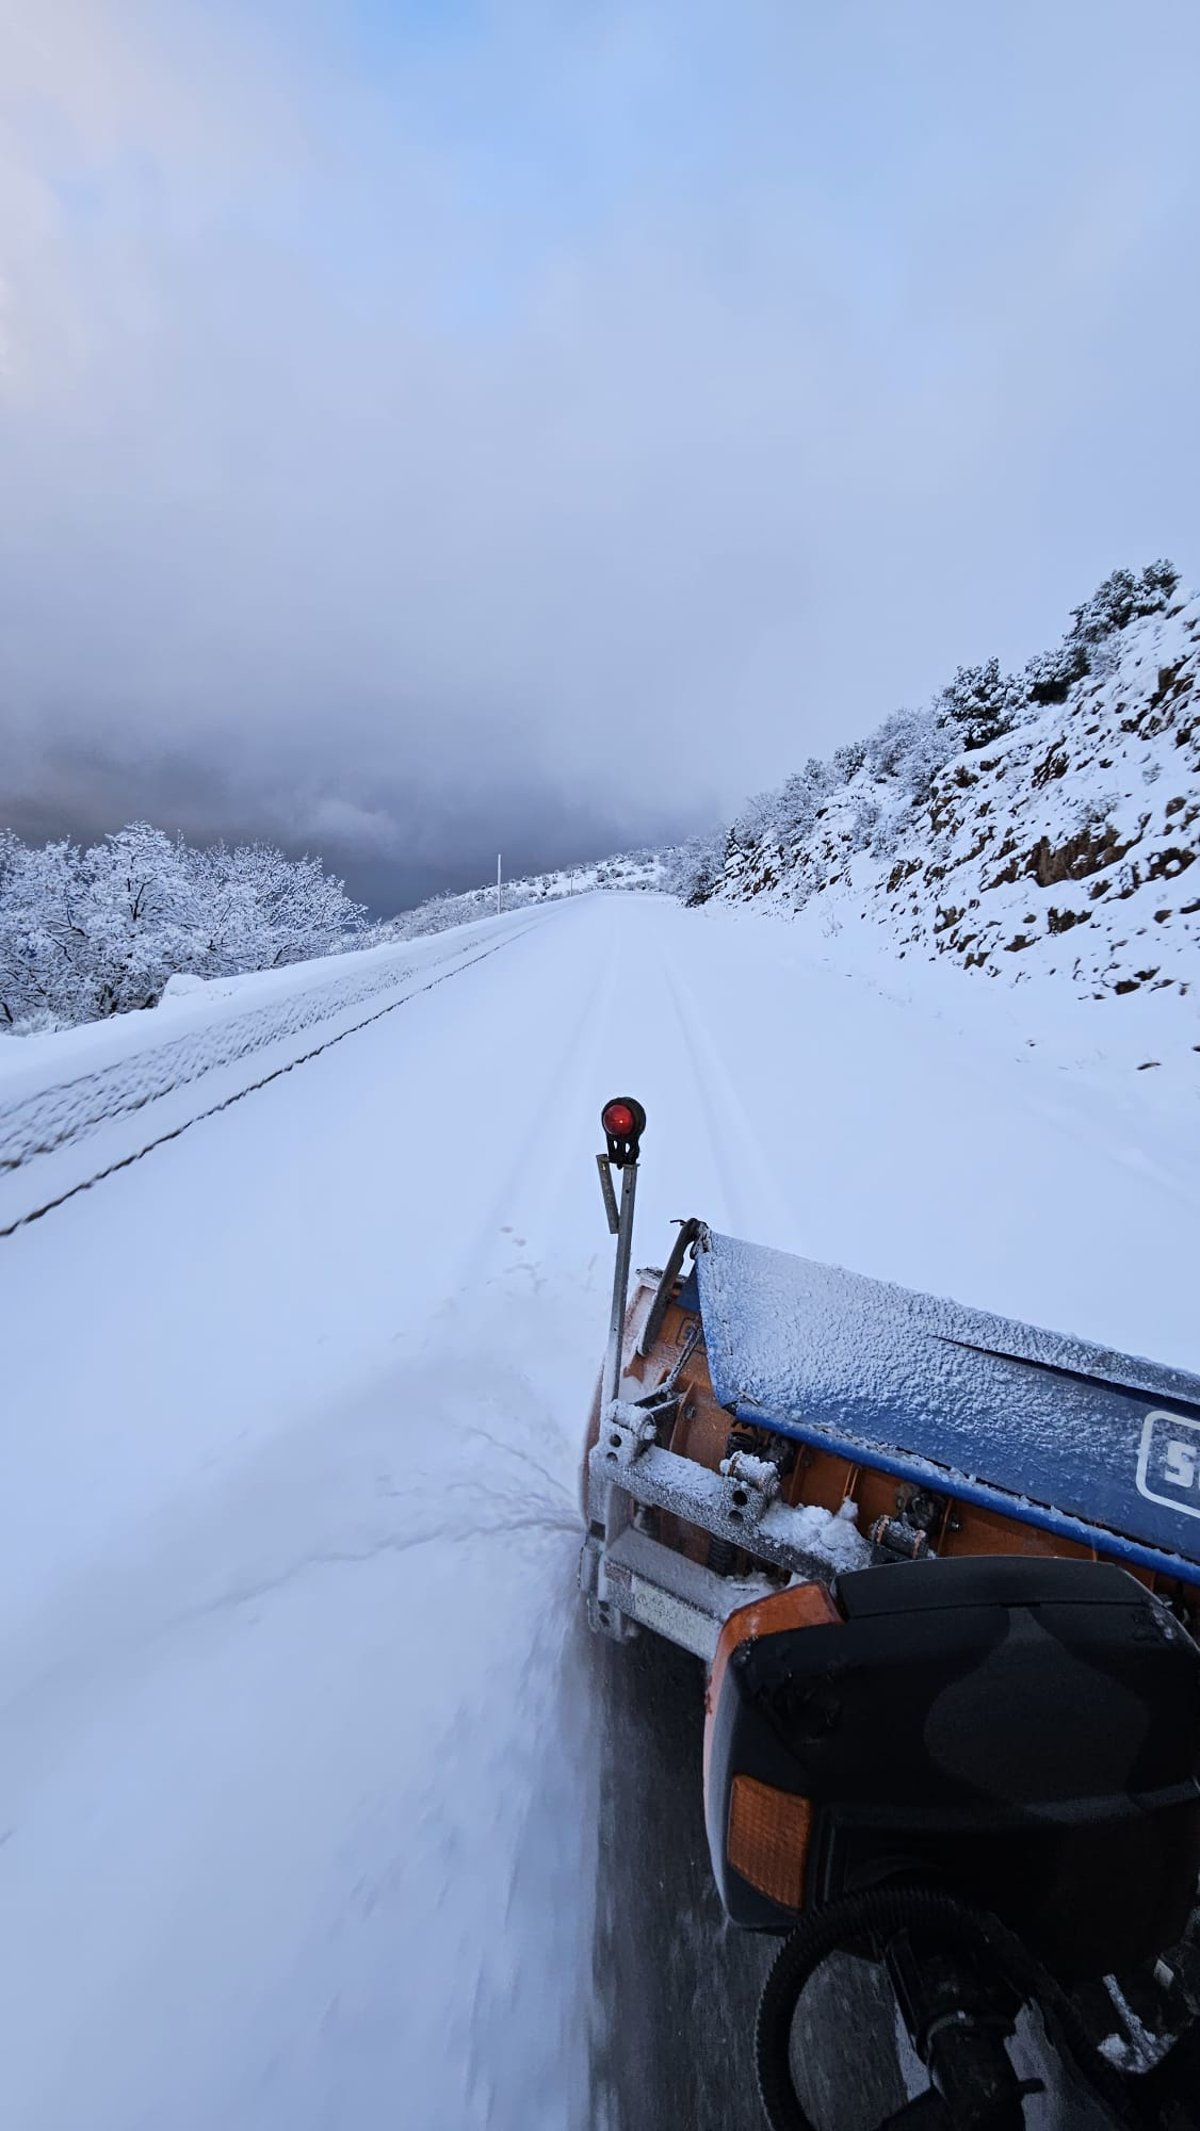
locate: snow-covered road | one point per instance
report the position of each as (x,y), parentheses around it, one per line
(299,1796)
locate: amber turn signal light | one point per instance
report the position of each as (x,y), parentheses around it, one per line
(767,1839)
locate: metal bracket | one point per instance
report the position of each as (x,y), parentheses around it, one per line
(620,1474)
(616,1323)
(638,1582)
(625,1433)
(751,1485)
(608,1194)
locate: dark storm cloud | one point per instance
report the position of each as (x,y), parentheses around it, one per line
(402,844)
(541,429)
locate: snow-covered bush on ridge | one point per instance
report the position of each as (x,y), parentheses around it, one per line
(983,703)
(1091,642)
(1121,599)
(1050,675)
(85,933)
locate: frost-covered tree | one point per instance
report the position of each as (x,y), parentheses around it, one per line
(699,867)
(284,910)
(88,933)
(44,949)
(142,917)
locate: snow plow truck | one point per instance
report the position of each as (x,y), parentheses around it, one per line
(943,1572)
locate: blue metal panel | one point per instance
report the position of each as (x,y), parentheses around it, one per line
(1053,1431)
(1018,1507)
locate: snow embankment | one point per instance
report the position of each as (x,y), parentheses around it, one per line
(78,1101)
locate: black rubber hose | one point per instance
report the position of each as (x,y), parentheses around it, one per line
(879,1914)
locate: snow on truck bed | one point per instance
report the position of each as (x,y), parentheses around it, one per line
(299,1792)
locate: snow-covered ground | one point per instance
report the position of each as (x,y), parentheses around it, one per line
(298,1802)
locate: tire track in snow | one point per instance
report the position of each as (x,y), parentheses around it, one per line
(545,1157)
(746,1179)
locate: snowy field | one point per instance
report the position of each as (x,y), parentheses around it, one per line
(301,1785)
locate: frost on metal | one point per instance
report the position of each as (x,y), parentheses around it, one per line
(756,1472)
(726,1503)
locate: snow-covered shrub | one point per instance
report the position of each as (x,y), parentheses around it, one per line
(692,870)
(908,749)
(865,820)
(1050,676)
(848,760)
(982,703)
(790,813)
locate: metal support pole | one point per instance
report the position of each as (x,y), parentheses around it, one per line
(616,1324)
(498,888)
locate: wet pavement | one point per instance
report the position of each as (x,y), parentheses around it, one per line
(677,1986)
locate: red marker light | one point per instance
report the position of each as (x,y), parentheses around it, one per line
(618,1120)
(624,1120)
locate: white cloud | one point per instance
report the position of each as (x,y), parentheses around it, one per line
(379,421)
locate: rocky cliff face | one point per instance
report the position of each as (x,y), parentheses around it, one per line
(1065,847)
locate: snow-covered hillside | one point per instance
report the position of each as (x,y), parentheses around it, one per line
(304,1294)
(623,870)
(1057,852)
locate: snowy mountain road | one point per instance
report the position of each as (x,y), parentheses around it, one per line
(319,1808)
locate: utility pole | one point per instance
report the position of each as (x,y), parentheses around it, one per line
(498,889)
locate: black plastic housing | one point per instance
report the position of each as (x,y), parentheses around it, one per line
(1025,1732)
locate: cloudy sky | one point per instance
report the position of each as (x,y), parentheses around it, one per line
(429,426)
